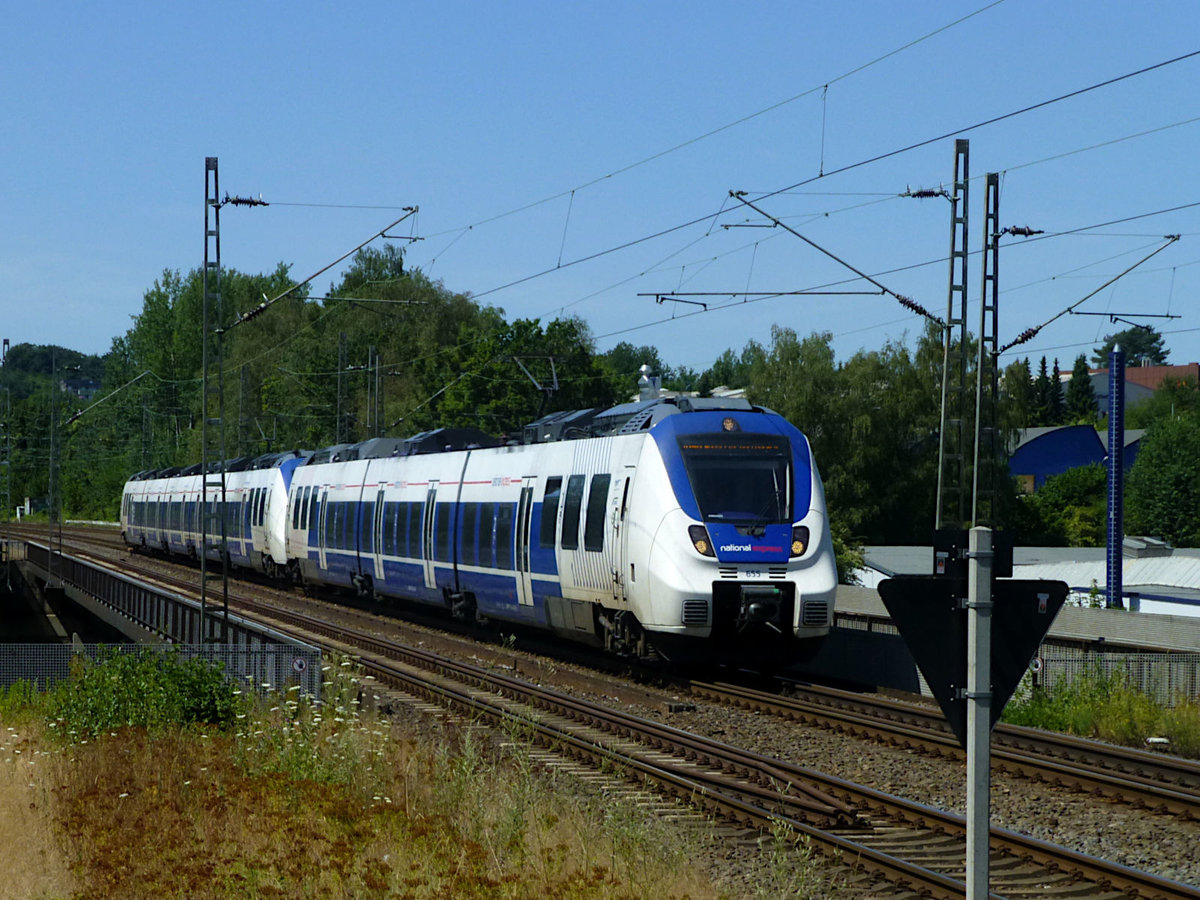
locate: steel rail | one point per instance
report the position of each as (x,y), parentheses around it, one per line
(1163,783)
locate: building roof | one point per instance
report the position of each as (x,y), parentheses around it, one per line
(1132,436)
(1028,435)
(1153,376)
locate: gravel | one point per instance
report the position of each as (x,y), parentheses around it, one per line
(1160,844)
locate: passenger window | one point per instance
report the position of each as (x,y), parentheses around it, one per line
(368,527)
(416,519)
(487,535)
(550,511)
(470,513)
(314,508)
(593,526)
(504,536)
(389,529)
(403,536)
(570,528)
(443,511)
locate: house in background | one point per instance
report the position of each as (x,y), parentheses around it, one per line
(1140,382)
(1042,452)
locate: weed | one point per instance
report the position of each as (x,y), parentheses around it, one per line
(142,688)
(788,869)
(1106,706)
(19,700)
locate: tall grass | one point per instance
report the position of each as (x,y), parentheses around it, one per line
(1108,707)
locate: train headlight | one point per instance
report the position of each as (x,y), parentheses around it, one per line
(799,539)
(699,536)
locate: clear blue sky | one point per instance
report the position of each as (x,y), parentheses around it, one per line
(337,113)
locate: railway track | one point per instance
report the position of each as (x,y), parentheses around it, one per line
(880,838)
(1165,784)
(1152,781)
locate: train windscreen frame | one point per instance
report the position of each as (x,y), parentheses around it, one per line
(740,478)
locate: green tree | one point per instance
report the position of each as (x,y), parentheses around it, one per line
(1017,396)
(872,424)
(1047,396)
(1081,398)
(732,370)
(507,376)
(624,362)
(1163,489)
(1174,397)
(1142,344)
(1068,510)
(1056,410)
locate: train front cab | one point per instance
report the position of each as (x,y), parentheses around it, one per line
(742,554)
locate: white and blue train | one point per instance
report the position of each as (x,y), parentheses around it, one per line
(685,529)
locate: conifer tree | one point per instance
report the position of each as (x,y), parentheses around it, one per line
(1056,412)
(1081,398)
(1041,396)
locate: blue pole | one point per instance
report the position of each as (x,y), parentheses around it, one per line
(1116,474)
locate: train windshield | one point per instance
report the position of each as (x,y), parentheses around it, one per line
(744,478)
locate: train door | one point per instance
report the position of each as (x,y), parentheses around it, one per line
(524,517)
(427,535)
(379,532)
(619,536)
(322,521)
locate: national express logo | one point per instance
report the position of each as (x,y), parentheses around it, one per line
(747,548)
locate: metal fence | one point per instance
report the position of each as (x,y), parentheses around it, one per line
(1167,677)
(264,667)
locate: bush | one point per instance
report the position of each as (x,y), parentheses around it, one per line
(1068,510)
(1105,706)
(144,688)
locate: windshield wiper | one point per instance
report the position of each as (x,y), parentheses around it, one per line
(758,523)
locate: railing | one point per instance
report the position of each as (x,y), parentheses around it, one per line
(263,668)
(176,619)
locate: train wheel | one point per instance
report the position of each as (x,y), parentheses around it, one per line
(365,587)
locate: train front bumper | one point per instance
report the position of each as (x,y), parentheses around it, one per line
(698,596)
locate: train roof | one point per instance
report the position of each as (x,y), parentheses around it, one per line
(626,418)
(565,425)
(236,464)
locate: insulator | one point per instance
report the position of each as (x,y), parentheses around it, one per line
(926,193)
(916,307)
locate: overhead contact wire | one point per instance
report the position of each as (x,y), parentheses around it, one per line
(1031,333)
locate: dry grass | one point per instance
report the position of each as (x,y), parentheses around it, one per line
(34,863)
(321,802)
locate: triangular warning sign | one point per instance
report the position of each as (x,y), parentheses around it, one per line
(933,623)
